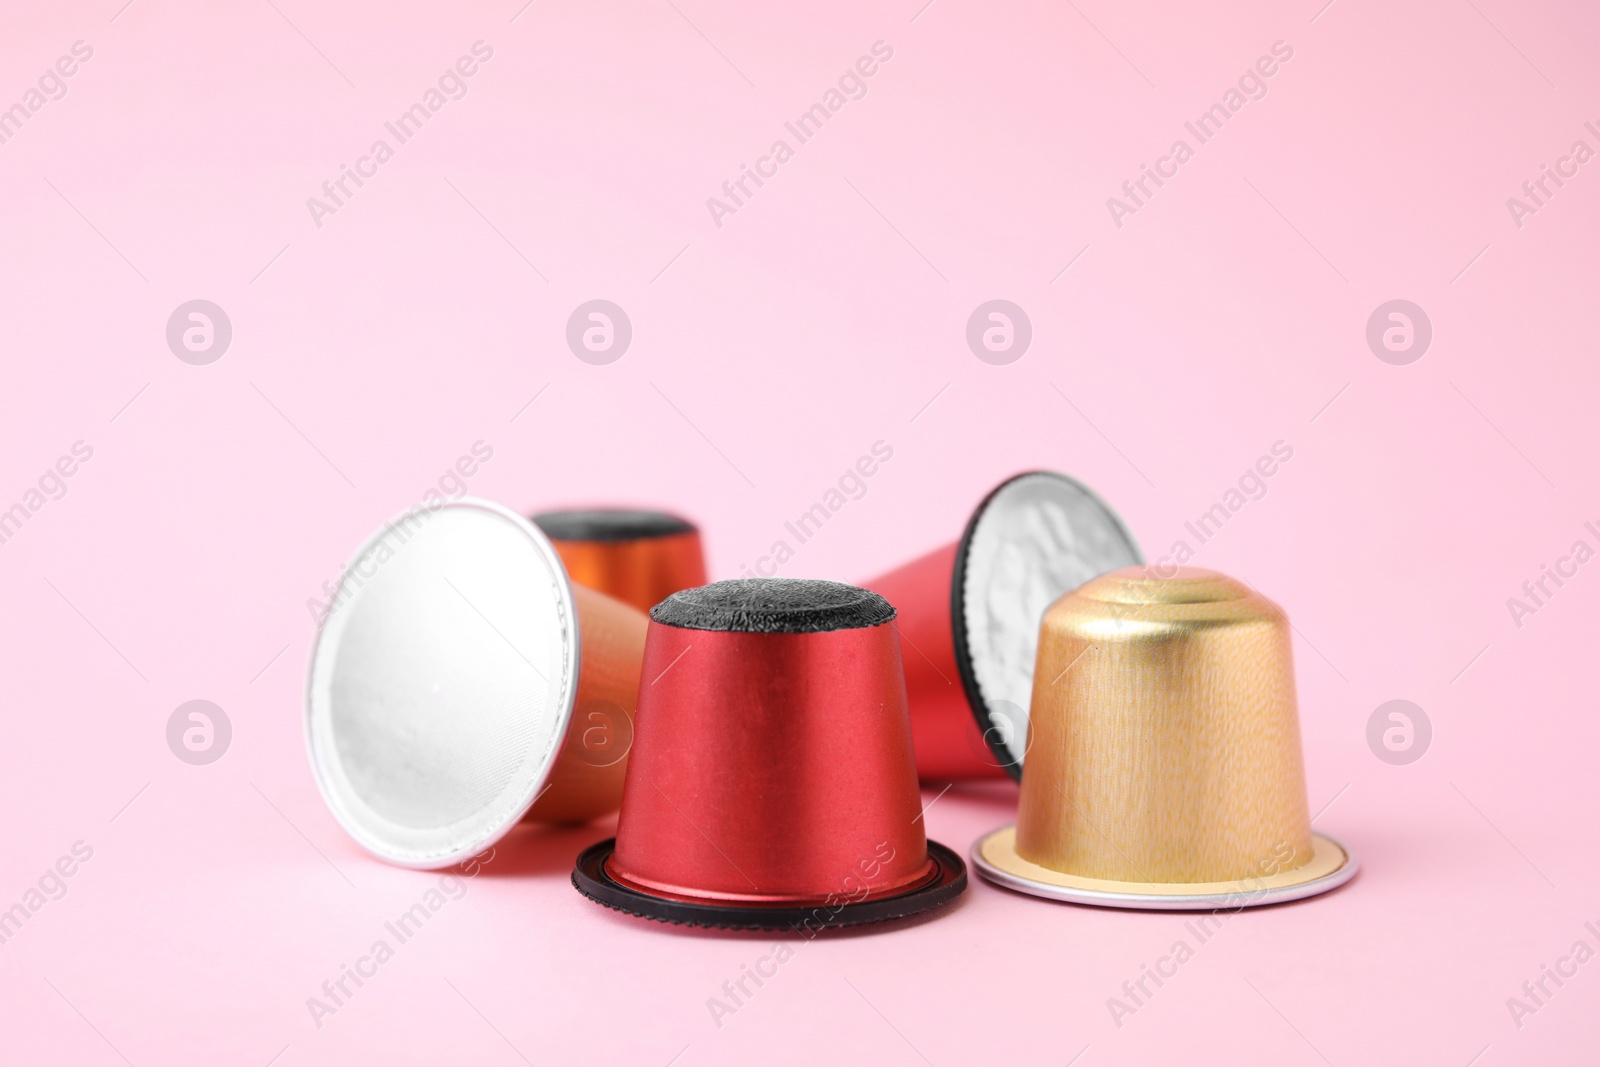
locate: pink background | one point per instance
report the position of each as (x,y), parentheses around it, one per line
(826,314)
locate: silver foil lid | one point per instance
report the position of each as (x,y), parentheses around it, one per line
(442,682)
(1035,538)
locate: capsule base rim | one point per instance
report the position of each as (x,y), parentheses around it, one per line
(589,877)
(994,856)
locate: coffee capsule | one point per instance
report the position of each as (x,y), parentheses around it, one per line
(772,783)
(1166,770)
(639,557)
(460,682)
(969,617)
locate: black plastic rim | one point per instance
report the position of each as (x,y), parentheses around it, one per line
(958,616)
(589,877)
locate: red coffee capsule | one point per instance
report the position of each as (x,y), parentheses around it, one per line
(639,557)
(771,783)
(969,617)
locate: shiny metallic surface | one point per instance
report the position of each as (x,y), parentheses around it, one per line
(637,562)
(587,779)
(1332,865)
(1166,751)
(443,683)
(969,617)
(772,768)
(948,744)
(1036,537)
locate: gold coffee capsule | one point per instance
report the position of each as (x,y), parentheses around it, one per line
(1164,768)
